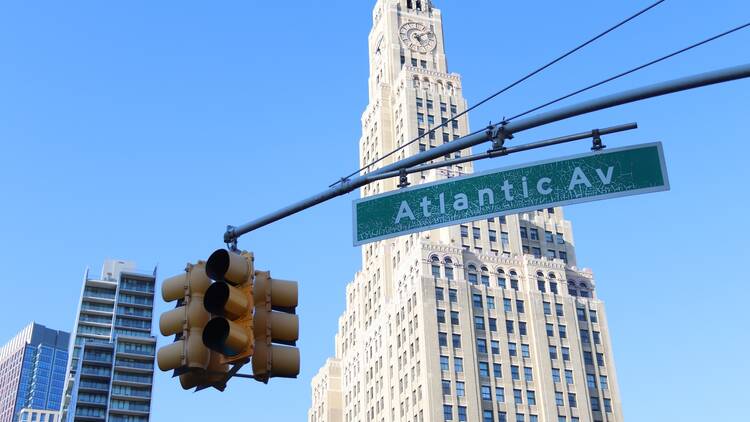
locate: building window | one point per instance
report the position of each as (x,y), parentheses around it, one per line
(568,376)
(556,375)
(481,345)
(458,365)
(608,405)
(509,327)
(490,302)
(591,381)
(522,328)
(443,363)
(514,374)
(454,318)
(479,322)
(505,239)
(560,239)
(486,393)
(519,307)
(534,234)
(525,351)
(550,330)
(547,310)
(484,369)
(452,293)
(420,118)
(597,337)
(537,252)
(495,346)
(517,396)
(454,123)
(530,398)
(541,286)
(476,232)
(559,398)
(563,331)
(563,256)
(456,341)
(441,316)
(431,122)
(487,415)
(460,389)
(439,293)
(581,313)
(446,387)
(551,254)
(497,370)
(553,352)
(524,233)
(603,382)
(512,349)
(500,394)
(493,325)
(419,100)
(565,353)
(502,416)
(592,315)
(528,374)
(548,237)
(476,298)
(600,359)
(493,235)
(559,309)
(507,305)
(464,231)
(443,339)
(572,400)
(585,336)
(447,412)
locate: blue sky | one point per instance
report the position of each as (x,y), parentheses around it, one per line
(139,130)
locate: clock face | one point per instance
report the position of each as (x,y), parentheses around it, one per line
(417,37)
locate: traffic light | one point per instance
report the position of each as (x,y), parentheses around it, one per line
(275,322)
(230,300)
(187,356)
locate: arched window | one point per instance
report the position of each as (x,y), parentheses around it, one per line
(472,273)
(485,276)
(501,278)
(448,268)
(435,264)
(552,283)
(513,280)
(572,288)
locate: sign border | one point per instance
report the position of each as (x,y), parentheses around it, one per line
(662,163)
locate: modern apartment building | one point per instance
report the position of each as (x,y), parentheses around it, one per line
(32,371)
(111,366)
(489,321)
(34,415)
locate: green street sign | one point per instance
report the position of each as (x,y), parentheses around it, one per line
(587,177)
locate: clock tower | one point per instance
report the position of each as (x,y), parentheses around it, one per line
(461,323)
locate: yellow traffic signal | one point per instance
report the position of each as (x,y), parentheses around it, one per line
(187,356)
(230,300)
(275,322)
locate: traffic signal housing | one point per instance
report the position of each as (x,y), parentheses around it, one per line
(187,356)
(275,322)
(230,300)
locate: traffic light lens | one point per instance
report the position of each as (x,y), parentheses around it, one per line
(218,264)
(215,334)
(216,297)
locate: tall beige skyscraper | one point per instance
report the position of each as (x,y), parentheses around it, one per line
(488,321)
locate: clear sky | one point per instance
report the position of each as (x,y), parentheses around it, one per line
(138,130)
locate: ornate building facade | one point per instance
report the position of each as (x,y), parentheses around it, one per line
(488,321)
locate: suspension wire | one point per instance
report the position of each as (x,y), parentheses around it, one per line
(633,70)
(508,87)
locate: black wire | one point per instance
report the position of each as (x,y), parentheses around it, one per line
(519,81)
(635,69)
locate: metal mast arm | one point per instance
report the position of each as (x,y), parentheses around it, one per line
(503,130)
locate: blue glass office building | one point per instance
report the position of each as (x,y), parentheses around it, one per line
(32,371)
